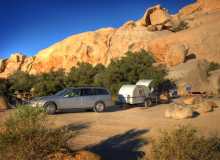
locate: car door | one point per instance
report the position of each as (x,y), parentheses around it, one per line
(88,97)
(72,99)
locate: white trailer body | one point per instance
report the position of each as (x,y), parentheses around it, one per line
(132,94)
(135,94)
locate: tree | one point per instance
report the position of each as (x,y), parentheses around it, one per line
(21,81)
(128,70)
(49,83)
(4,85)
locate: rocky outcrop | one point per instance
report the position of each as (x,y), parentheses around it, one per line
(12,64)
(94,47)
(172,40)
(195,73)
(157,18)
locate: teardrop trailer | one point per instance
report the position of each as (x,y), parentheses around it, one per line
(139,93)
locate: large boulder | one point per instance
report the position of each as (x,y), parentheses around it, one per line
(193,72)
(204,107)
(177,111)
(176,54)
(202,40)
(214,82)
(157,18)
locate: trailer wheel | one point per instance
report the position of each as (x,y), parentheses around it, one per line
(147,103)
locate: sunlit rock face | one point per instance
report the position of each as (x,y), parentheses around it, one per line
(172,39)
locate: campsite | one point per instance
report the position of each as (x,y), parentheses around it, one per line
(110,80)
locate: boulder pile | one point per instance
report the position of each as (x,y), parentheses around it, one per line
(190,106)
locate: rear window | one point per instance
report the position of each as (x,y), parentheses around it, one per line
(94,91)
(101,91)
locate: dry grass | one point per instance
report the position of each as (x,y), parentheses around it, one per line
(185,143)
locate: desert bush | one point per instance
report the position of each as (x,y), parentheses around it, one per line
(128,70)
(213,66)
(185,143)
(83,74)
(4,87)
(21,81)
(49,83)
(24,135)
(181,26)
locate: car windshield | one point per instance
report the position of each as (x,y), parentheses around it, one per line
(62,92)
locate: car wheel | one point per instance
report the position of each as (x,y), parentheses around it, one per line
(99,107)
(147,103)
(51,108)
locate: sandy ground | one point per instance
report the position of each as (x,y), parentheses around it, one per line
(125,133)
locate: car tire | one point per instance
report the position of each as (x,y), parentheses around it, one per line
(147,103)
(99,107)
(50,108)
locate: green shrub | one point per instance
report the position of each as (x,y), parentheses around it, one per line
(21,81)
(181,26)
(24,136)
(185,143)
(128,70)
(49,83)
(4,87)
(213,66)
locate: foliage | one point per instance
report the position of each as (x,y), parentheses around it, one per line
(3,87)
(24,135)
(21,81)
(181,26)
(128,69)
(213,66)
(83,74)
(185,143)
(49,83)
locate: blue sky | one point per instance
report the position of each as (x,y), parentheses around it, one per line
(28,26)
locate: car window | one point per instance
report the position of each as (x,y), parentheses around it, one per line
(88,92)
(74,93)
(101,91)
(62,92)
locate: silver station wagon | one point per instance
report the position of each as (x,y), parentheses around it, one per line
(96,98)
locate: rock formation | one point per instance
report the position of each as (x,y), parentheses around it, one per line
(172,40)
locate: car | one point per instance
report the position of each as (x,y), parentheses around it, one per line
(96,98)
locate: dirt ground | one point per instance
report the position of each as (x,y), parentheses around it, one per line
(125,133)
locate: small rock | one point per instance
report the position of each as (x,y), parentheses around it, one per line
(203,107)
(192,100)
(213,104)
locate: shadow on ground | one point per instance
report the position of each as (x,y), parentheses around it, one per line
(121,147)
